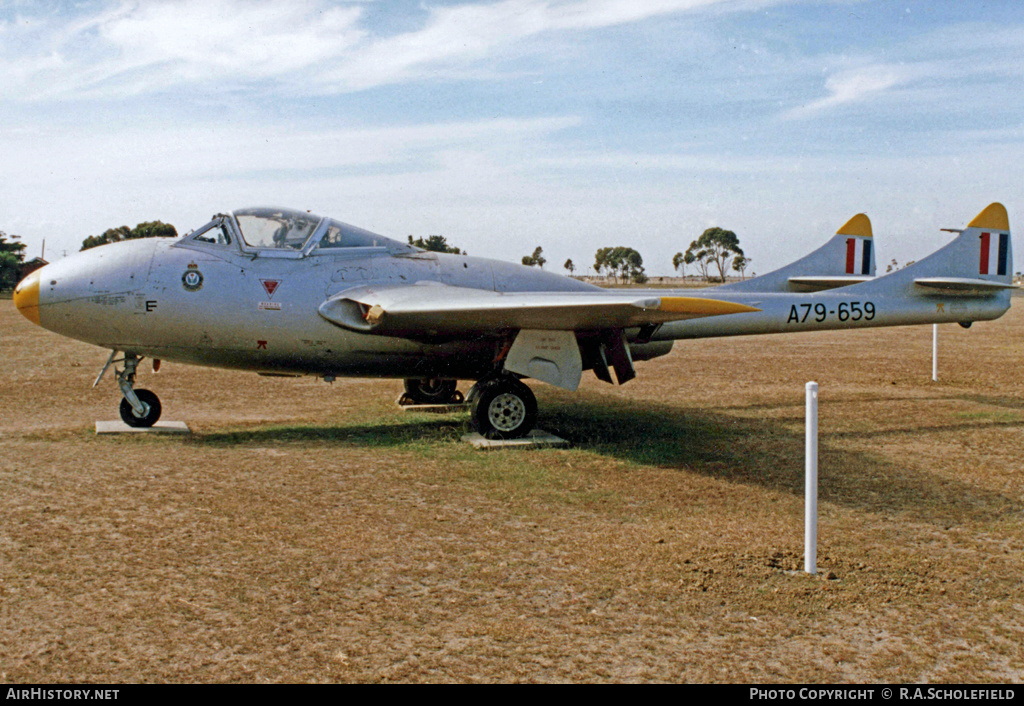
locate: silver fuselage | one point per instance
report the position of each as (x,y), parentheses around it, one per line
(135,296)
(222,305)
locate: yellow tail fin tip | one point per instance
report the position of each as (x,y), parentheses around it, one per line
(994,217)
(858,225)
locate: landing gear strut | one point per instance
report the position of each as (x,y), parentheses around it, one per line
(502,408)
(139,408)
(431,391)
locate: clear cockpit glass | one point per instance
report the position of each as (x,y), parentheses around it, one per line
(213,234)
(342,235)
(277,228)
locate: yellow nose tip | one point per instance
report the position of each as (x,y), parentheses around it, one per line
(26,297)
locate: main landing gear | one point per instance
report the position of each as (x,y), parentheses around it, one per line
(139,408)
(431,391)
(501,407)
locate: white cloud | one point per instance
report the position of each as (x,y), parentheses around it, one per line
(455,36)
(856,86)
(143,47)
(935,71)
(223,37)
(228,151)
(139,47)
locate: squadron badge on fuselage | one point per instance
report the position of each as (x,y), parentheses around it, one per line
(192,280)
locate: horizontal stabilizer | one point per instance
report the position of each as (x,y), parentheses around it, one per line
(820,283)
(963,286)
(428,310)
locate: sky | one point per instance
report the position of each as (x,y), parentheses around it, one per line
(566,124)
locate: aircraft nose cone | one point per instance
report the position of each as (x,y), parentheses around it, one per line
(26,297)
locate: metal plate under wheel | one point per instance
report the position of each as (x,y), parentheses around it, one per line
(537,438)
(119,427)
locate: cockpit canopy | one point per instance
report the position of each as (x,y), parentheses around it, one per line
(275,227)
(290,233)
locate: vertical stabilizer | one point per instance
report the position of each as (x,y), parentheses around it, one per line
(979,261)
(847,258)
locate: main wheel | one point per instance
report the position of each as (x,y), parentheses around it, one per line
(152,415)
(432,391)
(504,409)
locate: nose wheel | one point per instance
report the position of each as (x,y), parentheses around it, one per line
(150,403)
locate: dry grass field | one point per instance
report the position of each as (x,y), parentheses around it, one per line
(309,532)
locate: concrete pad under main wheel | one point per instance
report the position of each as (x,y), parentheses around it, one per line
(119,427)
(436,408)
(535,439)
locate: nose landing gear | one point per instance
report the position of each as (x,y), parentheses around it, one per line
(139,408)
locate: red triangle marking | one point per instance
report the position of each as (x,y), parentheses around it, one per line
(270,285)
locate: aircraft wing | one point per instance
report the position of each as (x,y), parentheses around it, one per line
(431,309)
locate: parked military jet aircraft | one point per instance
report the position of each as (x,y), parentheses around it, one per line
(279,291)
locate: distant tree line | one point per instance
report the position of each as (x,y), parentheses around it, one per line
(12,255)
(715,247)
(714,253)
(621,262)
(436,243)
(149,229)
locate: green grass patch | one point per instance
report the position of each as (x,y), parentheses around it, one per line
(413,433)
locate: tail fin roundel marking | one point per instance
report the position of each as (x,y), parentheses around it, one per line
(994,246)
(858,265)
(858,248)
(994,249)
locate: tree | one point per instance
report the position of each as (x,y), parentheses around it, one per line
(536,259)
(696,254)
(715,245)
(679,262)
(621,262)
(605,259)
(569,266)
(154,229)
(740,263)
(436,243)
(11,256)
(149,229)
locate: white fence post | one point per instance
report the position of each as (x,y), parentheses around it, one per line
(811,482)
(935,352)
